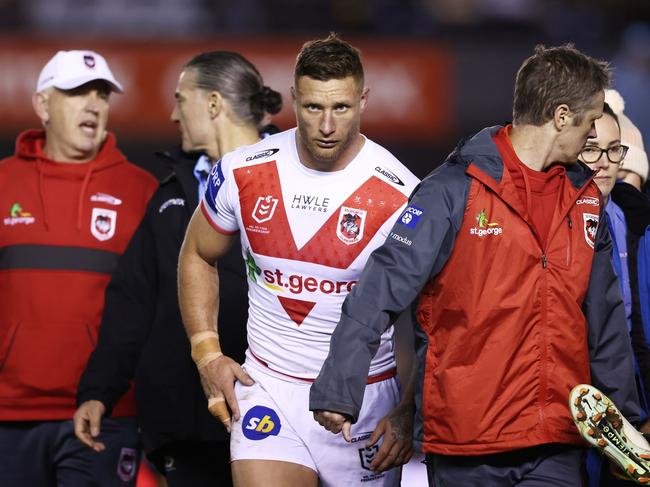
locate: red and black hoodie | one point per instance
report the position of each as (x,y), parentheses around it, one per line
(62,228)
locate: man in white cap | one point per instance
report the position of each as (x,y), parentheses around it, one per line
(69,203)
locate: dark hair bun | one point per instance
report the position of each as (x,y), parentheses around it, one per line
(271,100)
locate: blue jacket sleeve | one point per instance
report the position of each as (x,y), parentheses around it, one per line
(416,249)
(610,348)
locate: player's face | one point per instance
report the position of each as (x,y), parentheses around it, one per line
(574,136)
(328,114)
(191,113)
(75,121)
(607,136)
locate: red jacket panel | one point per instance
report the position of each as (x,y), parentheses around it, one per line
(62,228)
(508,338)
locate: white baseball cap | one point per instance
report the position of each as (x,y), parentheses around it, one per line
(70,69)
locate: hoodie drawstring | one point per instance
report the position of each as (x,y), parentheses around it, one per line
(82,193)
(41,197)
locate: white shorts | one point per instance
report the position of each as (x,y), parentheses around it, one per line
(276,424)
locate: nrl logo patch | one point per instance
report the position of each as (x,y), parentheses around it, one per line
(366,455)
(590,227)
(102,223)
(349,229)
(264,208)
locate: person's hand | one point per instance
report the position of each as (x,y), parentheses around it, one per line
(87,421)
(218,378)
(334,422)
(397,430)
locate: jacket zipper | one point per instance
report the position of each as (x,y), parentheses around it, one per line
(543,346)
(569,247)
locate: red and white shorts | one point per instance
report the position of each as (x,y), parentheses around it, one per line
(276,424)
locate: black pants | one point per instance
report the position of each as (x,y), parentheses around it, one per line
(194,463)
(48,454)
(549,465)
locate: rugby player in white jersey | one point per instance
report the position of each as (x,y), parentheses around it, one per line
(310,204)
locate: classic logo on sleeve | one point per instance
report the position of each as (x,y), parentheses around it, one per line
(410,216)
(590,227)
(260,422)
(389,175)
(262,154)
(102,223)
(350,226)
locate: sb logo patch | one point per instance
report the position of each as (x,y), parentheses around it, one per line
(260,422)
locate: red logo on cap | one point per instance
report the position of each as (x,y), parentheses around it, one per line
(89,60)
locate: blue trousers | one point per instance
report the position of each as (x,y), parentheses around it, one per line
(48,454)
(549,465)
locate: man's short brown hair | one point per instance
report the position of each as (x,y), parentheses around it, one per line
(555,76)
(330,58)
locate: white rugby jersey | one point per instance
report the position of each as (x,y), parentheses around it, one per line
(305,236)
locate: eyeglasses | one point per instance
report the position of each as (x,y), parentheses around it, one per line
(592,153)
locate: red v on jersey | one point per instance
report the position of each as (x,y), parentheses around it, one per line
(296,308)
(269,233)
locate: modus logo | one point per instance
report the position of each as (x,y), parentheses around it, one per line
(485,227)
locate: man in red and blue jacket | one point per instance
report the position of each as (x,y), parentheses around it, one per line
(506,252)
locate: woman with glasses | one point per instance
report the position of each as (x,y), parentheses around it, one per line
(605,155)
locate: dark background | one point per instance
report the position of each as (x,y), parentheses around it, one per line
(488,40)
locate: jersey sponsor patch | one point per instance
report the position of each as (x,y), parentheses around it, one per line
(350,227)
(17,216)
(215,181)
(590,227)
(410,216)
(485,227)
(260,422)
(126,464)
(103,223)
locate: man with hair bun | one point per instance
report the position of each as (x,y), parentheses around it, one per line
(221,104)
(510,321)
(310,204)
